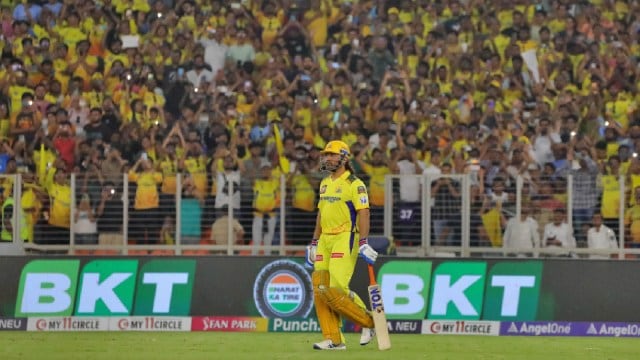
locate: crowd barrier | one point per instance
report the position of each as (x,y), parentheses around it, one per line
(415,219)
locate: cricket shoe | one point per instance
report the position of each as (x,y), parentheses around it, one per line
(329,345)
(366,336)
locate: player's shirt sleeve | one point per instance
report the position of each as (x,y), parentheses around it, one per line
(321,191)
(359,195)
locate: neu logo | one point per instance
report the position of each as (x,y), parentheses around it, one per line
(105,288)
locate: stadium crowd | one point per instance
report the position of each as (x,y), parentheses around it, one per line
(241,92)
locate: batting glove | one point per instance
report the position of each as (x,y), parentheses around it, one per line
(367,253)
(310,258)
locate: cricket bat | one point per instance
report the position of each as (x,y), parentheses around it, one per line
(377,312)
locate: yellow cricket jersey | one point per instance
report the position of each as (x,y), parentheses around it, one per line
(610,196)
(147,191)
(265,195)
(197,168)
(376,183)
(169,169)
(304,196)
(340,199)
(632,219)
(60,205)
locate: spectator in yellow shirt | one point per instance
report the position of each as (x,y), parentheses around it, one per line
(266,199)
(376,169)
(59,208)
(146,219)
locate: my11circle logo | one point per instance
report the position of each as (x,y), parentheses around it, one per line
(283,289)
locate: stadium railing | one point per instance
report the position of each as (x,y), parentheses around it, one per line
(417,221)
(429,233)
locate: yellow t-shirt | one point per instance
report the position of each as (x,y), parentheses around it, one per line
(304,196)
(376,183)
(60,205)
(340,199)
(169,169)
(632,218)
(31,206)
(15,94)
(610,196)
(265,195)
(270,27)
(197,168)
(317,28)
(71,36)
(147,191)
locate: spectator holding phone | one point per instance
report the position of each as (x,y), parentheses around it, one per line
(558,234)
(146,218)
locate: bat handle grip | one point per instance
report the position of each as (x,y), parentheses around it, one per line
(372,275)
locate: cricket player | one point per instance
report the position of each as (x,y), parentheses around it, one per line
(342,227)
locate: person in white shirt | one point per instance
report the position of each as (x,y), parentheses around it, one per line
(243,51)
(521,233)
(600,236)
(558,233)
(408,211)
(433,168)
(200,76)
(215,51)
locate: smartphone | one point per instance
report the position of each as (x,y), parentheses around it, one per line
(334,49)
(236,6)
(305,77)
(336,117)
(144,156)
(159,15)
(180,71)
(128,76)
(356,42)
(335,65)
(21,138)
(491,104)
(112,191)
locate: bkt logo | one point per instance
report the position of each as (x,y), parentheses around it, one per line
(461,290)
(105,287)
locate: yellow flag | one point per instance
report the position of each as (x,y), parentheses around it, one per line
(42,166)
(283,161)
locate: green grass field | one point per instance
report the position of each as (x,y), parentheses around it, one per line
(240,346)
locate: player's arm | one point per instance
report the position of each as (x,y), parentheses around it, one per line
(318,230)
(363,223)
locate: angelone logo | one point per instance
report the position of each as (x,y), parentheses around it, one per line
(283,289)
(105,288)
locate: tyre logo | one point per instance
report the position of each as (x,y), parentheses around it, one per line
(283,289)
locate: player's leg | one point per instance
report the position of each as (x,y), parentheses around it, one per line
(338,296)
(329,320)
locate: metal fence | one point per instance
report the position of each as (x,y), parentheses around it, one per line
(424,215)
(518,217)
